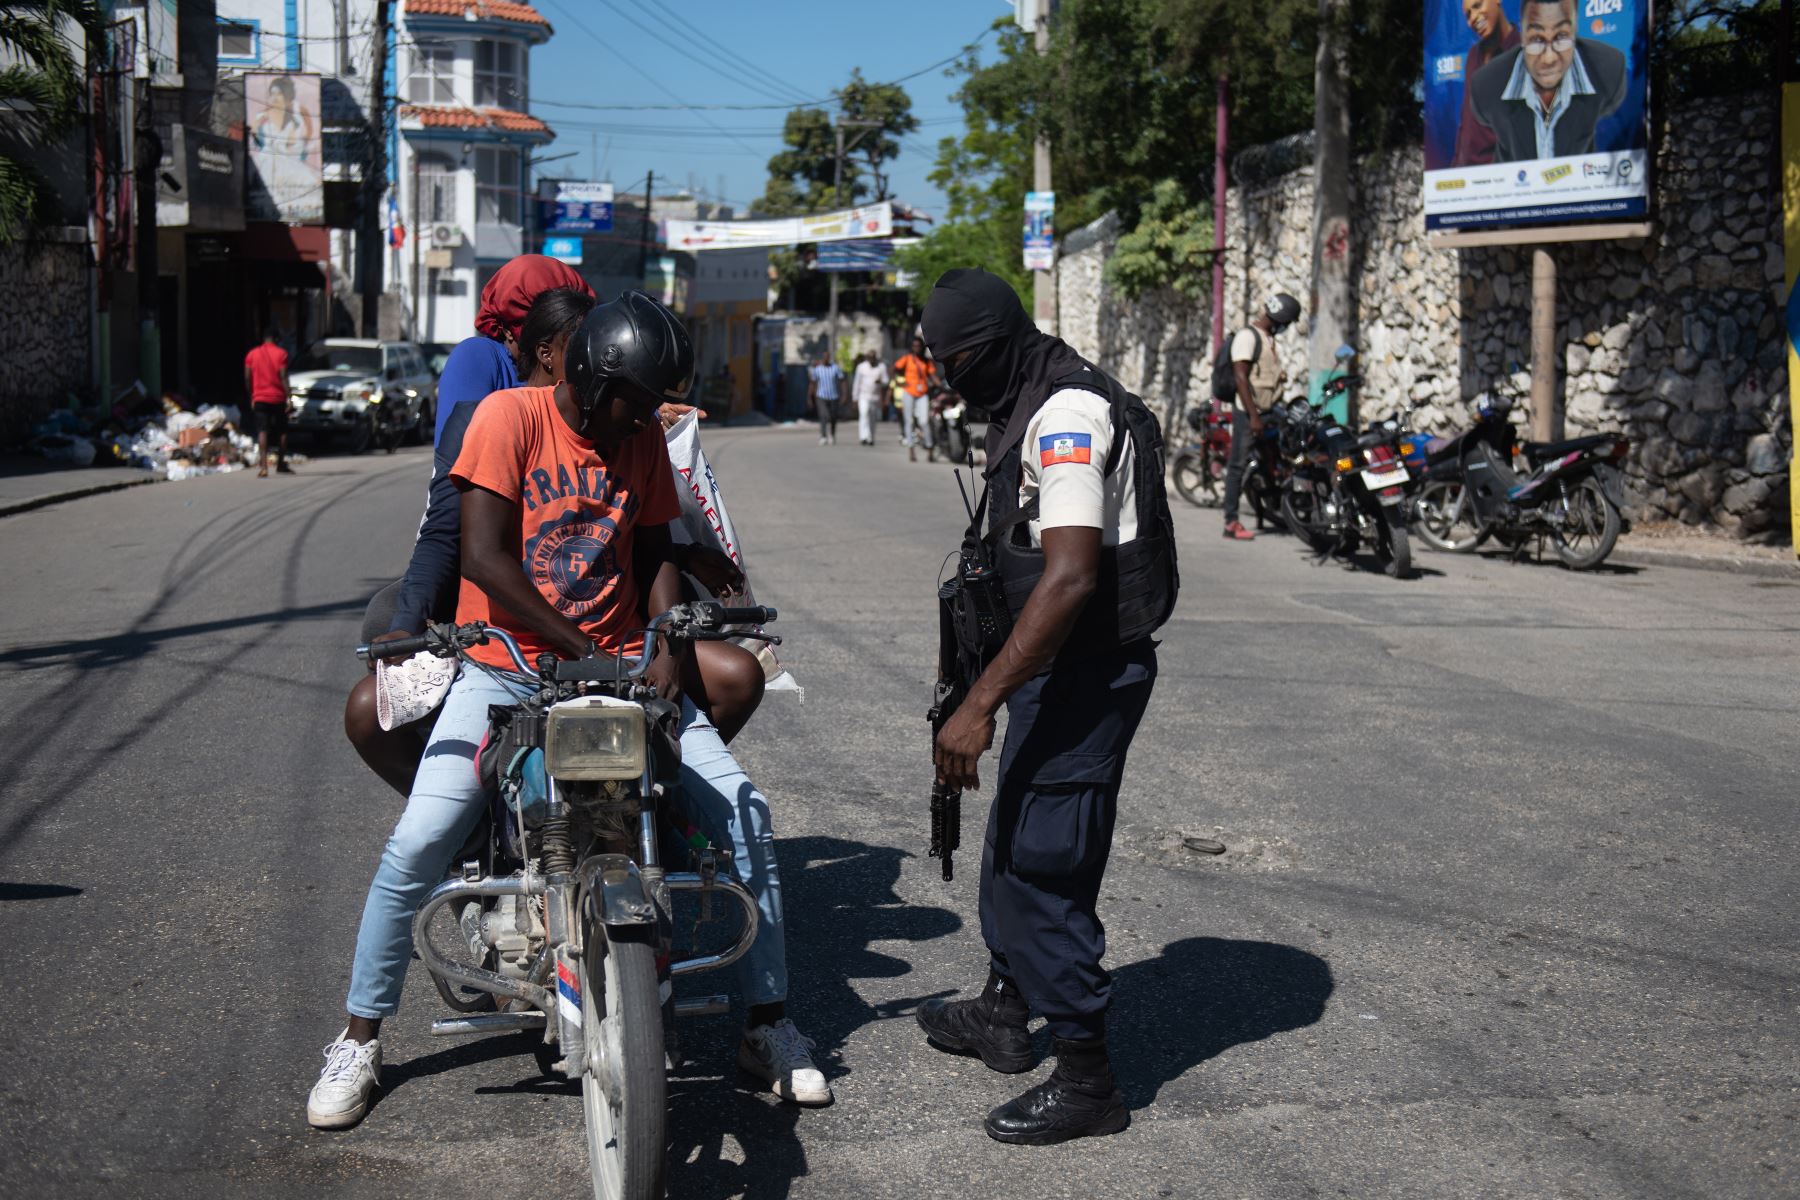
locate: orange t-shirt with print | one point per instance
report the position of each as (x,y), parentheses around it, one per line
(917,373)
(578,509)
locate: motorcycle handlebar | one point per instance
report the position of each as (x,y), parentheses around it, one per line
(749,614)
(404,647)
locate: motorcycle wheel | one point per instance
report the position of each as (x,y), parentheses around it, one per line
(1194,479)
(956,444)
(1299,511)
(620,1006)
(360,437)
(1256,494)
(1399,548)
(1445,518)
(1589,529)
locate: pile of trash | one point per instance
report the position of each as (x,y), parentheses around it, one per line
(161,436)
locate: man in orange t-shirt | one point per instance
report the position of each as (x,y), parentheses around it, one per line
(920,375)
(266,382)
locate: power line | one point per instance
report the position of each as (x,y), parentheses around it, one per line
(726,51)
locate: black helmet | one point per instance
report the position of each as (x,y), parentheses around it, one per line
(1283,310)
(635,338)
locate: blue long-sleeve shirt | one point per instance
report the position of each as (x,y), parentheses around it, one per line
(478,367)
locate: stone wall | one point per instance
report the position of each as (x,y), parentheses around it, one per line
(45,336)
(1673,339)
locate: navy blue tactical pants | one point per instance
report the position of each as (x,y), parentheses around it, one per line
(1050,830)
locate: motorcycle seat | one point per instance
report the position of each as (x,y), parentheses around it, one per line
(1542,451)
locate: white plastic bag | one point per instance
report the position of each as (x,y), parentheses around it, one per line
(705,521)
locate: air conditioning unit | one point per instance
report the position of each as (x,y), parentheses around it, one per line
(446,237)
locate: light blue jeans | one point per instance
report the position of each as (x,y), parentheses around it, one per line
(447,800)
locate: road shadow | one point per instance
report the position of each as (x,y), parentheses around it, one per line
(1199,998)
(839,896)
(1547,560)
(36,891)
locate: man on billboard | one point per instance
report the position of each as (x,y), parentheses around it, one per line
(1543,99)
(1496,34)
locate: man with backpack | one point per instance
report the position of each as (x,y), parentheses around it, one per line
(1250,374)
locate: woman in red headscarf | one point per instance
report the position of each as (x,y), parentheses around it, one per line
(478,367)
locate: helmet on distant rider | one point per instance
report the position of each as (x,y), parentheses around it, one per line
(634,339)
(1283,310)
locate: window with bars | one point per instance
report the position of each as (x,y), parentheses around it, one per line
(496,185)
(499,75)
(437,190)
(433,79)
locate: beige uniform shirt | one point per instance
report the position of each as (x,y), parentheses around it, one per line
(1265,371)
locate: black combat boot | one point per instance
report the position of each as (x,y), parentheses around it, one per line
(1079,1099)
(991,1026)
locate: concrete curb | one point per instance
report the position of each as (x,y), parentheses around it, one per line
(1736,564)
(13,507)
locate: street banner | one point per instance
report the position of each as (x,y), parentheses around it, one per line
(1790,157)
(869,221)
(573,207)
(1536,112)
(1040,231)
(563,250)
(873,254)
(287,173)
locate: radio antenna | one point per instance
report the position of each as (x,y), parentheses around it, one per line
(968,507)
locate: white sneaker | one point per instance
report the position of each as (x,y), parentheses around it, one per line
(341,1097)
(821,441)
(781,1056)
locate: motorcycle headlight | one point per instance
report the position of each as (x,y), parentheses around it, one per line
(595,738)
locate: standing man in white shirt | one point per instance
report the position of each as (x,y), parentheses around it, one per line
(1256,368)
(1080,537)
(869,387)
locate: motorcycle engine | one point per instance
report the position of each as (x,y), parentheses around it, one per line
(512,927)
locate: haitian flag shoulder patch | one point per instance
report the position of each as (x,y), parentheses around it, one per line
(1065,448)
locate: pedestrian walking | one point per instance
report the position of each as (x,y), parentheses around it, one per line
(1254,383)
(266,383)
(826,382)
(918,375)
(869,387)
(1080,538)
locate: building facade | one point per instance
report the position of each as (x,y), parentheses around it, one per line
(463,168)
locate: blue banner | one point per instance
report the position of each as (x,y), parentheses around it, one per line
(1535,111)
(869,254)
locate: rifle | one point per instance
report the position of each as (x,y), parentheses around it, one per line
(973,623)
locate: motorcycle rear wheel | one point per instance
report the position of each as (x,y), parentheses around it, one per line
(1194,478)
(620,1005)
(1589,529)
(1445,518)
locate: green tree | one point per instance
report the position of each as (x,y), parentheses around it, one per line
(1170,246)
(41,92)
(801,175)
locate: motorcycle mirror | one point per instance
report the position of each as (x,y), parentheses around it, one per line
(1345,352)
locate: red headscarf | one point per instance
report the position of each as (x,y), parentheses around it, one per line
(508,295)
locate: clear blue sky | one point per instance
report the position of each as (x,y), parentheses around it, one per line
(794,51)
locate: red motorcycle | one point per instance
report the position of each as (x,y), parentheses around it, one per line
(1199,466)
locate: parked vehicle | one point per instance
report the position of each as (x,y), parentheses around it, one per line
(1198,468)
(563,901)
(1348,489)
(436,355)
(950,426)
(361,393)
(1569,493)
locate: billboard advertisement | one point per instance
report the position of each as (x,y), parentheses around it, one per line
(287,171)
(1536,111)
(869,221)
(573,207)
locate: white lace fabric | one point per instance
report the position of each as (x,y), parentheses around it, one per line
(406,691)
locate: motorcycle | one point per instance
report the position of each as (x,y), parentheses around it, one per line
(1348,489)
(1198,468)
(1571,492)
(562,899)
(950,426)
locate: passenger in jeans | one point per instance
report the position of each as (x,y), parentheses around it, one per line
(569,478)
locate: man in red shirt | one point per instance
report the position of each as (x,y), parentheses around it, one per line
(266,380)
(1475,141)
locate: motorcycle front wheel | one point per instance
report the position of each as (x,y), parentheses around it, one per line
(1445,518)
(1399,547)
(1194,478)
(625,1088)
(1590,527)
(1300,513)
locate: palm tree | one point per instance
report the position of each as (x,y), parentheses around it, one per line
(40,98)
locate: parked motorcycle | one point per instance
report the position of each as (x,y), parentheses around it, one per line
(1571,493)
(562,898)
(1198,468)
(1348,489)
(950,426)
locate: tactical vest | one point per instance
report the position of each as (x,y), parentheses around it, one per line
(1138,581)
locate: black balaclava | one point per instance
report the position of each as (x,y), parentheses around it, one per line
(1012,359)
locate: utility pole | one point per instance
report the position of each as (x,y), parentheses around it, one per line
(369,240)
(1331,314)
(1218,264)
(1546,421)
(146,159)
(1043,283)
(837,198)
(649,230)
(417,301)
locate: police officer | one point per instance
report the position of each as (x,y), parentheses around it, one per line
(1079,532)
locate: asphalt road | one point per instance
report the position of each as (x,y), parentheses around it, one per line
(1507,910)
